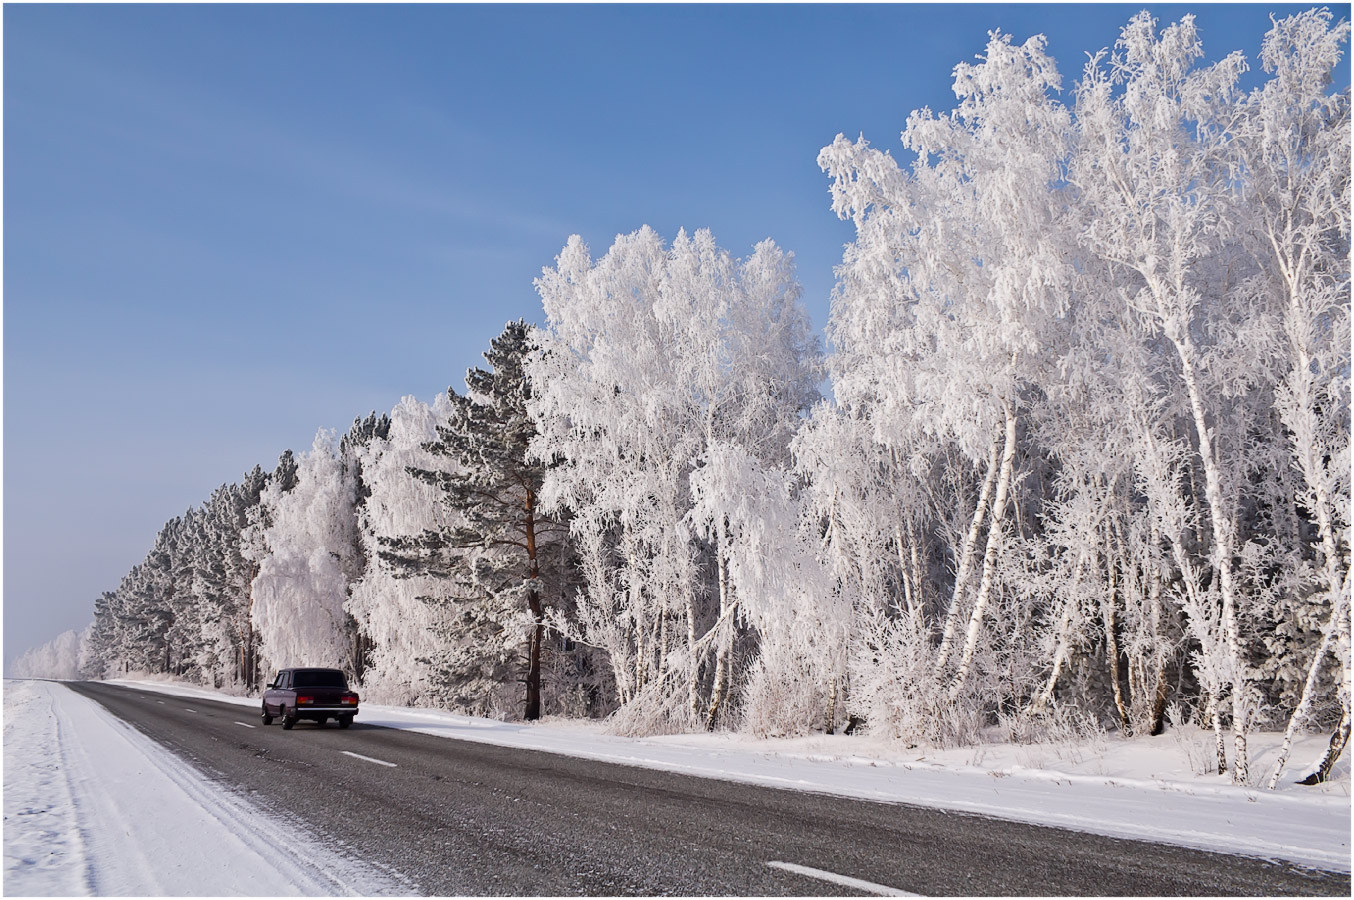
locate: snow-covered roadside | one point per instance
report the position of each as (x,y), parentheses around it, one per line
(1142,789)
(94,808)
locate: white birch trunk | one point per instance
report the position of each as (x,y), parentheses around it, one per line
(1305,702)
(1223,540)
(1300,415)
(961,575)
(904,570)
(990,556)
(724,643)
(1061,647)
(1109,613)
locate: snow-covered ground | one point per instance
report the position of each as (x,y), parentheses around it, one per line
(66,816)
(95,808)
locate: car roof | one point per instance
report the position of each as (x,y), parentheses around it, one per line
(311,669)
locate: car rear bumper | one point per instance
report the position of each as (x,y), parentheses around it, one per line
(304,711)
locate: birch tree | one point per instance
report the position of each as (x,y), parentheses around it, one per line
(1294,147)
(1154,130)
(652,360)
(299,593)
(388,602)
(948,299)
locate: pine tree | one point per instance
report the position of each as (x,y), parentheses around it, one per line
(505,560)
(286,472)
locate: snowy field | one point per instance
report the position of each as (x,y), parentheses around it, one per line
(95,808)
(69,814)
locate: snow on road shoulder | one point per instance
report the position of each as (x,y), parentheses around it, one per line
(1143,788)
(43,851)
(94,807)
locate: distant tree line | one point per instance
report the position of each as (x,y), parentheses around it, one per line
(1085,462)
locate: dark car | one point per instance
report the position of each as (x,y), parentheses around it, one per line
(318,694)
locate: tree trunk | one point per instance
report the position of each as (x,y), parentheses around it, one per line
(990,556)
(361,647)
(693,702)
(1158,651)
(916,573)
(1305,701)
(965,566)
(533,699)
(1220,745)
(904,571)
(1157,720)
(724,643)
(1333,751)
(831,723)
(1059,655)
(1223,540)
(533,703)
(1341,736)
(1108,611)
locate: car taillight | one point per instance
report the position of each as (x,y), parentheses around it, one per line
(350,699)
(300,700)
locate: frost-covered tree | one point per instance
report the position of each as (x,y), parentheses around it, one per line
(946,317)
(236,513)
(503,561)
(389,603)
(1294,146)
(361,435)
(146,608)
(302,584)
(57,659)
(657,367)
(1152,162)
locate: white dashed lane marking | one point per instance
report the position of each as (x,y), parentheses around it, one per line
(379,762)
(881,890)
(245,724)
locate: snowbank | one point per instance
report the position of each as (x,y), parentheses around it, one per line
(1146,788)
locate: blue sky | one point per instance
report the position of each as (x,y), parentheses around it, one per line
(226,226)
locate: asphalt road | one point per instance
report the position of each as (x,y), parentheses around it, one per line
(462,818)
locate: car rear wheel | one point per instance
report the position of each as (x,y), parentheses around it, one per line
(345,721)
(288,722)
(267,719)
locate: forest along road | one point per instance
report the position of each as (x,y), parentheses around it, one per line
(461,818)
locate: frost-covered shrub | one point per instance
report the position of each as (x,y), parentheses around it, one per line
(897,690)
(786,694)
(1052,725)
(659,707)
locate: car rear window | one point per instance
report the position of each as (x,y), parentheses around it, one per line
(320,678)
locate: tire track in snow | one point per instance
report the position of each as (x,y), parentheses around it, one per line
(43,849)
(116,863)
